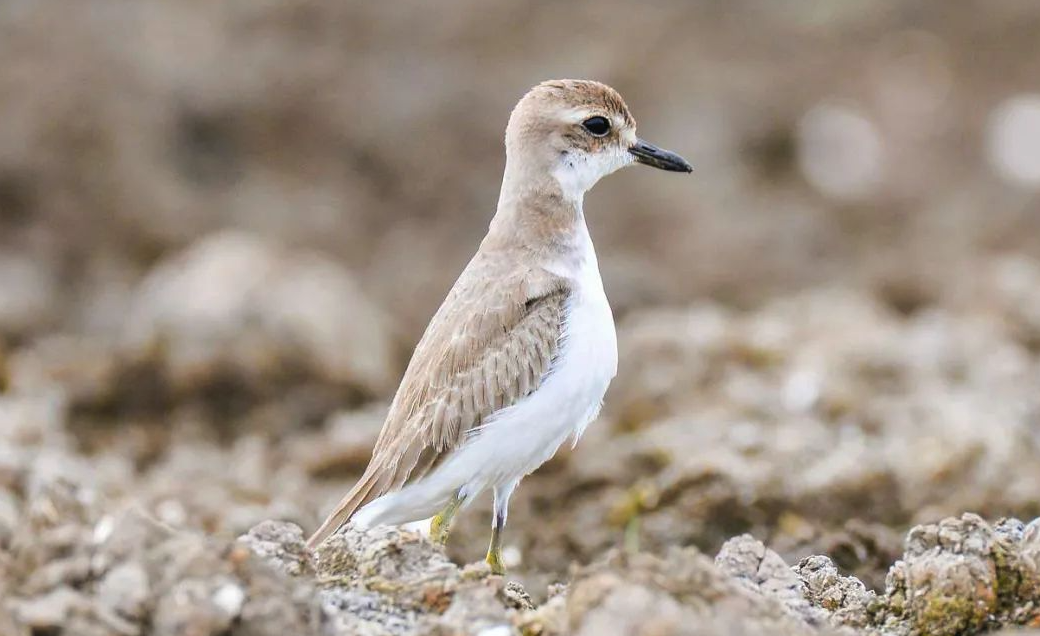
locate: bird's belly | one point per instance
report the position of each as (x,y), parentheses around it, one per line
(588,358)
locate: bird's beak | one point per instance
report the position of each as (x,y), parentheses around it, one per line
(651,155)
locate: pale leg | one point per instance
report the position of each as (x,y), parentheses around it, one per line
(440,525)
(498,524)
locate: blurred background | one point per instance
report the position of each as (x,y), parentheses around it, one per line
(224,225)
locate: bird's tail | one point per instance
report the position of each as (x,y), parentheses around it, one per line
(369,504)
(414,502)
(363,492)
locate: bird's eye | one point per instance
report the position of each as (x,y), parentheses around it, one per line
(598,126)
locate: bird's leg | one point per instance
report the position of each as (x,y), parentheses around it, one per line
(440,525)
(498,525)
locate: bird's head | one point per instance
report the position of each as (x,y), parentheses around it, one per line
(577,132)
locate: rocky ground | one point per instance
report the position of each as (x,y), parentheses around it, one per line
(157,483)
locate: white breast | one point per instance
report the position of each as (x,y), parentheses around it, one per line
(588,354)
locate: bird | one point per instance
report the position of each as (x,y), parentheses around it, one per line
(518,357)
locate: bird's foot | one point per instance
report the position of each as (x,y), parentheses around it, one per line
(439,529)
(494,561)
(440,525)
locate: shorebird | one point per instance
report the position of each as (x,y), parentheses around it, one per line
(519,355)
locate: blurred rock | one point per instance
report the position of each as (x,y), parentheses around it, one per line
(234,303)
(48,612)
(141,576)
(29,299)
(1013,291)
(840,151)
(9,517)
(825,407)
(86,370)
(1014,140)
(343,444)
(118,152)
(280,545)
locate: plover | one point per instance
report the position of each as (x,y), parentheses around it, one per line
(518,357)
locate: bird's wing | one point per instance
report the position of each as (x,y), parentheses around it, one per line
(489,345)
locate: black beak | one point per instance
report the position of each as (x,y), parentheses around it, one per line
(651,155)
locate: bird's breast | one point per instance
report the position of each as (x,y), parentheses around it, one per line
(587,357)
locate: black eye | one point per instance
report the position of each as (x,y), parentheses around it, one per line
(598,126)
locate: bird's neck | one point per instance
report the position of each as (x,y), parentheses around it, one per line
(535,214)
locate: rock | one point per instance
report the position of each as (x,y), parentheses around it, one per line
(764,572)
(390,581)
(128,535)
(281,545)
(682,593)
(236,304)
(863,550)
(123,572)
(963,575)
(477,609)
(49,611)
(1011,287)
(9,517)
(125,590)
(384,576)
(383,555)
(127,574)
(87,371)
(33,420)
(344,443)
(28,295)
(548,619)
(845,598)
(190,607)
(516,596)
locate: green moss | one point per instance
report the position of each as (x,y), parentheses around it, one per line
(1015,588)
(942,615)
(334,581)
(877,609)
(383,586)
(533,628)
(1008,579)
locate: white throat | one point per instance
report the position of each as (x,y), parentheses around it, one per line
(578,171)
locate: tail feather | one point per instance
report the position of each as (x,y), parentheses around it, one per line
(368,503)
(359,495)
(422,499)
